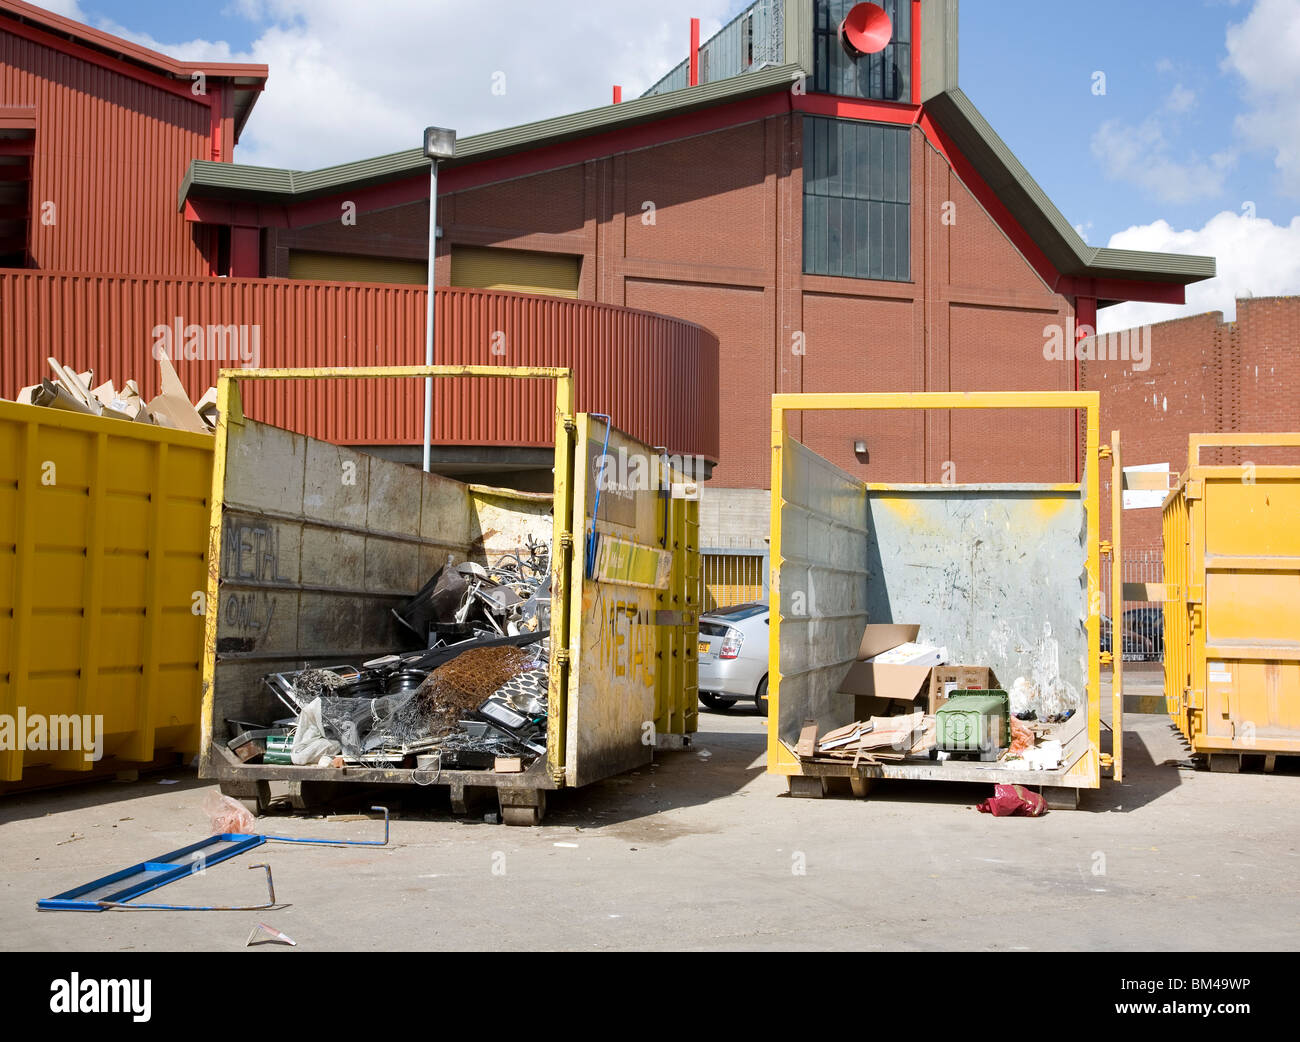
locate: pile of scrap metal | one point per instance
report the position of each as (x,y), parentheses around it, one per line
(469,600)
(474,699)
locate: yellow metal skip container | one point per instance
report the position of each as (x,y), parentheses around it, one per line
(103,538)
(1002,575)
(312,543)
(1232,612)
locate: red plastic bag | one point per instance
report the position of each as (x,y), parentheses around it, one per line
(1008,800)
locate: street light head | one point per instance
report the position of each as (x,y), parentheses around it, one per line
(439,143)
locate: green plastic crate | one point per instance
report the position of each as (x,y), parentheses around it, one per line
(974,722)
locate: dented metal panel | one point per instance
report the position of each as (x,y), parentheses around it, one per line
(631,609)
(993,574)
(821,588)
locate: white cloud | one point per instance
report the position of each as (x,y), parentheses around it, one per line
(67,8)
(1255,257)
(1264,50)
(1141,154)
(349,81)
(1181,99)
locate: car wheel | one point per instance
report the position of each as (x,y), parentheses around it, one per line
(714,702)
(760,697)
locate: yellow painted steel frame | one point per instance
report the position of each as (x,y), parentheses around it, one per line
(1116,612)
(779,759)
(230,410)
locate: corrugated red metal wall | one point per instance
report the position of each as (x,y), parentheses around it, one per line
(110,153)
(656,376)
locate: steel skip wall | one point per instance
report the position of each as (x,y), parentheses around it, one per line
(656,376)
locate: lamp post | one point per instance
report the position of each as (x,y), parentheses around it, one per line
(439,144)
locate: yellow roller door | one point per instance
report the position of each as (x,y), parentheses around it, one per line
(351,267)
(522,271)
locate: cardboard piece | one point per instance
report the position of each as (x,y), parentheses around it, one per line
(807,745)
(172,408)
(879,680)
(951,677)
(891,738)
(207,408)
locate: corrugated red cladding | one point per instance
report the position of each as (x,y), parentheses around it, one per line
(656,376)
(110,151)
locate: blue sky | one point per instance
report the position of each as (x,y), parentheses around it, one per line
(1197,120)
(1047,112)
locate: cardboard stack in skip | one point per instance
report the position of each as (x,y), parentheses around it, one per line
(893,673)
(891,670)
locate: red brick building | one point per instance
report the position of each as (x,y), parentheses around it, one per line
(1203,375)
(838,221)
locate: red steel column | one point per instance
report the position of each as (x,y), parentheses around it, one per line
(695,53)
(1085,325)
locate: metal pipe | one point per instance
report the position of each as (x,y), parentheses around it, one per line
(341,842)
(270,901)
(429,313)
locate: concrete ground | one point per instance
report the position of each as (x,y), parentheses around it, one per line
(702,851)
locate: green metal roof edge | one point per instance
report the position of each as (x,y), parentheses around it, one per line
(1030,205)
(296,185)
(952,109)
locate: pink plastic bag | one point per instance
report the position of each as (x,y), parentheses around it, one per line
(1008,800)
(228,815)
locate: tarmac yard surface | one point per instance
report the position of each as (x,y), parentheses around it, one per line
(701,851)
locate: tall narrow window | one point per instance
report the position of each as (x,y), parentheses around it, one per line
(17,148)
(856,199)
(885,76)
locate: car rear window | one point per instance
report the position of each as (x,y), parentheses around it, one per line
(738,612)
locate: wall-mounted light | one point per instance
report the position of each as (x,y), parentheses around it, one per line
(860,450)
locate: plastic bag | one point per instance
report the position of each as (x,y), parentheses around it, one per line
(1022,696)
(1022,738)
(228,815)
(1009,800)
(309,742)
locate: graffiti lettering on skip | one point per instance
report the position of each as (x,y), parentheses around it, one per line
(249,552)
(627,642)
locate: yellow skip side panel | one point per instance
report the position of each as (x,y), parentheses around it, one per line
(1232,551)
(101,574)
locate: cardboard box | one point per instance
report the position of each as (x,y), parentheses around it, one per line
(947,678)
(878,679)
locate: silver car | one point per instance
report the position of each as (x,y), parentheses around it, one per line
(733,656)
